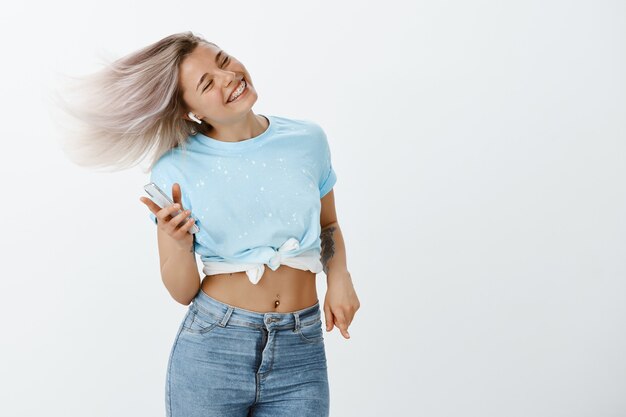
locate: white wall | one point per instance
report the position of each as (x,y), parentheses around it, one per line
(480,152)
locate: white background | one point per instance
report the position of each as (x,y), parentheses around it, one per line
(481,156)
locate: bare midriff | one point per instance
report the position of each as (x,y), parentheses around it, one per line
(282,291)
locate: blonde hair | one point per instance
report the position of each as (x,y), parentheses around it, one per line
(131,106)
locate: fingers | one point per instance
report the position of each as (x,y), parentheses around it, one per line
(154,207)
(180,226)
(167,214)
(163,214)
(342,324)
(173,219)
(336,320)
(328,315)
(176,226)
(343,327)
(176,194)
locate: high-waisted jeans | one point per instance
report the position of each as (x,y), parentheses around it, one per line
(231,362)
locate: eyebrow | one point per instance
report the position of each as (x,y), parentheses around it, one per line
(217,60)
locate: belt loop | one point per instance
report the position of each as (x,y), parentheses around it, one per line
(296,316)
(226,317)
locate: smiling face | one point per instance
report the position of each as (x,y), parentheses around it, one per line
(208,76)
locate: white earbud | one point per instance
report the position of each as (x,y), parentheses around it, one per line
(194,118)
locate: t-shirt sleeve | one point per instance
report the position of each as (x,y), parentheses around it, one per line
(328,177)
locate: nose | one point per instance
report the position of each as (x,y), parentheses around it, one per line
(228,76)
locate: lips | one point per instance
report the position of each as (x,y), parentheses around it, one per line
(235,88)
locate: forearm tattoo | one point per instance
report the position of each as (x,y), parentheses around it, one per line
(328,246)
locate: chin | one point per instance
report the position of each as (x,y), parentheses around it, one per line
(252,98)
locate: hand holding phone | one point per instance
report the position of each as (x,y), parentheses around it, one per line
(163,208)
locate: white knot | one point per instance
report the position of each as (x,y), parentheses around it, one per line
(290,244)
(255,274)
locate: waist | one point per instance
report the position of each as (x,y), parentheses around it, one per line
(284,290)
(216,309)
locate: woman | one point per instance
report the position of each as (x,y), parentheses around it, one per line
(259,190)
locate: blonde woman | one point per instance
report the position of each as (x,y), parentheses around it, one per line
(259,190)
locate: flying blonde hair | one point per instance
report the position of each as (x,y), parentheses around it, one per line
(130,107)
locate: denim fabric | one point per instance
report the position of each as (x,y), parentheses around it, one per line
(231,362)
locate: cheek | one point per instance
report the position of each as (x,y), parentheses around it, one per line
(213,98)
(195,102)
(249,78)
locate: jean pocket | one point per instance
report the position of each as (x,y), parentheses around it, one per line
(200,322)
(311,332)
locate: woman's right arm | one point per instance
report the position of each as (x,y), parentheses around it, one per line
(179,269)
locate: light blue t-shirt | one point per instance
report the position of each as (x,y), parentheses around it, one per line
(249,197)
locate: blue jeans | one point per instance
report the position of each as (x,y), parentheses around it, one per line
(231,362)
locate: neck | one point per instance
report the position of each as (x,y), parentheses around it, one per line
(249,126)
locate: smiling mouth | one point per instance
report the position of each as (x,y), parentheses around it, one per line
(239,91)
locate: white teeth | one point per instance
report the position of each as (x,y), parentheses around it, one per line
(238,91)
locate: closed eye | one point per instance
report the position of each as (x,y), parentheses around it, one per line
(225,62)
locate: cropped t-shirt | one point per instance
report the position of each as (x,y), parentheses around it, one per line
(256,202)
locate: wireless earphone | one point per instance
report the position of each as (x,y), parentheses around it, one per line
(194,118)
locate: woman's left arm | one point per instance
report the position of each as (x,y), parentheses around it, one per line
(341,302)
